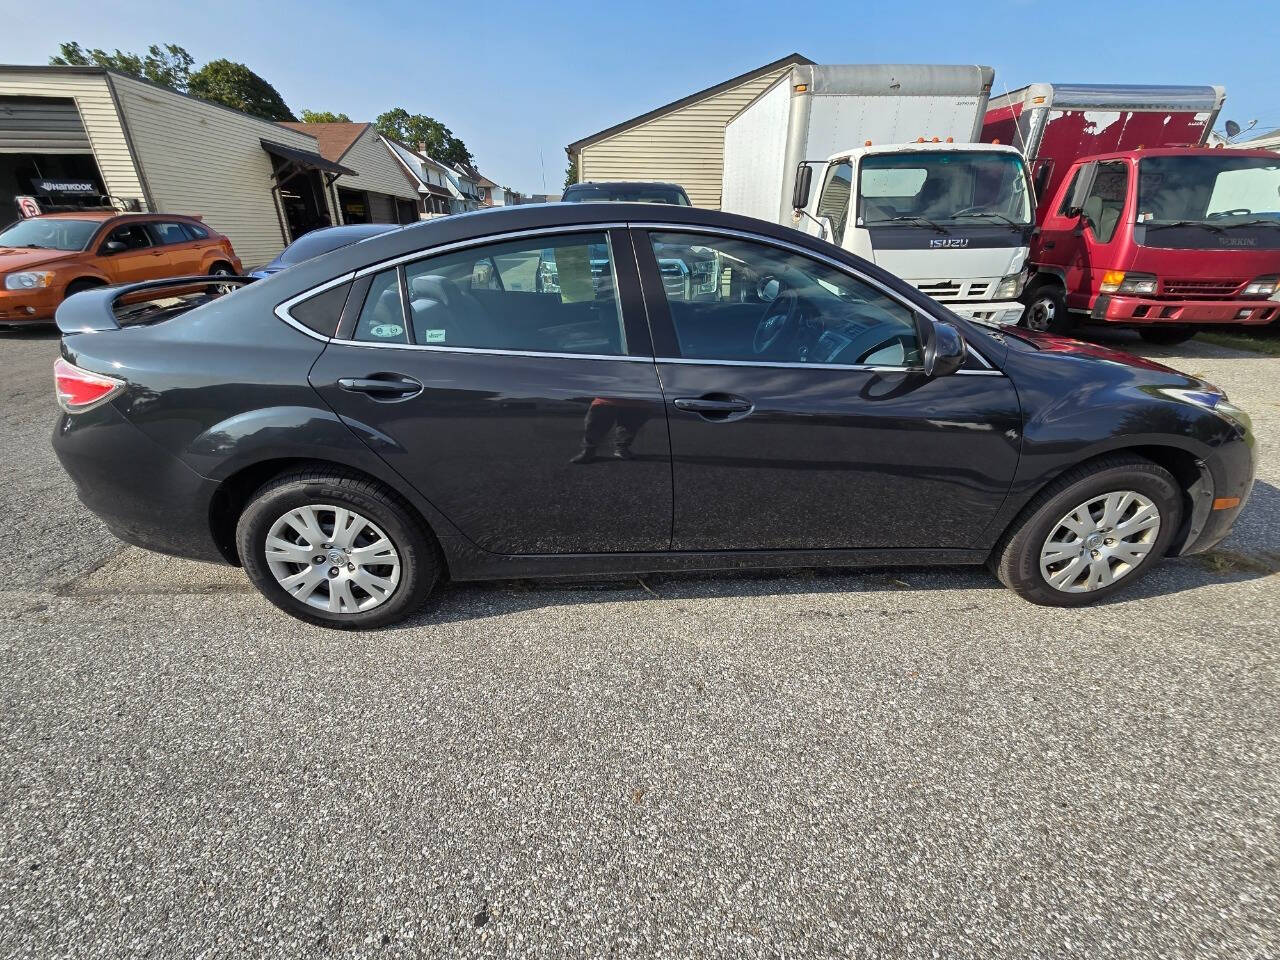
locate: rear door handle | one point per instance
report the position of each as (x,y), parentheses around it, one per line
(386,386)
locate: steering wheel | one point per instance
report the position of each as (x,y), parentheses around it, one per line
(781,317)
(1237,212)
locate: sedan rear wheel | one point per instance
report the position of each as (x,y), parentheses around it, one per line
(1095,530)
(337,549)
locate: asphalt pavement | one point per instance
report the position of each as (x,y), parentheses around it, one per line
(887,763)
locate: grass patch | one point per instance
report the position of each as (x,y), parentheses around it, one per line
(1261,342)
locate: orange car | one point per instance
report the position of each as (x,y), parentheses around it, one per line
(47,258)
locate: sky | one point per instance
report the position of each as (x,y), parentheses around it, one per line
(517,81)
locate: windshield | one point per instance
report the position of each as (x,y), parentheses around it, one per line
(53,233)
(1219,189)
(626,193)
(950,185)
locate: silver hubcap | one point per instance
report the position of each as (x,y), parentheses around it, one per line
(1099,542)
(332,558)
(1040,314)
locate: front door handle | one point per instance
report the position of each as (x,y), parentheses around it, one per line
(386,386)
(718,407)
(1050,244)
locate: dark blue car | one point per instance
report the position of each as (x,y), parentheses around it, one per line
(311,245)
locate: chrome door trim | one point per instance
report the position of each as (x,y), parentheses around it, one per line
(492,351)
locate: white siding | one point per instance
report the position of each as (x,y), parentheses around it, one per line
(685,146)
(101,122)
(208,160)
(378,170)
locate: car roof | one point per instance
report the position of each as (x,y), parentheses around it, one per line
(496,223)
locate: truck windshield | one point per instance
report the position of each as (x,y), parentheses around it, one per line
(1218,190)
(947,186)
(54,233)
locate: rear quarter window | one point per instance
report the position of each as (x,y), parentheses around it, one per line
(321,312)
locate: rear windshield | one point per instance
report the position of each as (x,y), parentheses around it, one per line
(626,193)
(311,245)
(53,233)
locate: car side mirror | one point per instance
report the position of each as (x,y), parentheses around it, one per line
(943,347)
(804,181)
(1081,190)
(113,246)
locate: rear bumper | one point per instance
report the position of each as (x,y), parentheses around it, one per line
(989,311)
(1143,310)
(28,306)
(146,496)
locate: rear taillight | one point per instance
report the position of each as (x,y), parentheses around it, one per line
(79,390)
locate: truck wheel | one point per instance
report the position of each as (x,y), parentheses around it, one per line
(1166,335)
(1046,309)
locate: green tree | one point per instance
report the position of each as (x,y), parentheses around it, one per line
(238,87)
(415,128)
(168,65)
(571,171)
(324,116)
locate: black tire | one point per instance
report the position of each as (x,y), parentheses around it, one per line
(77,286)
(1016,558)
(1046,309)
(1166,336)
(421,563)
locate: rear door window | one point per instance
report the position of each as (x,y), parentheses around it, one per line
(164,233)
(554,294)
(382,316)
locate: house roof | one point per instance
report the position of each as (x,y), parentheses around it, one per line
(790,60)
(335,139)
(469,171)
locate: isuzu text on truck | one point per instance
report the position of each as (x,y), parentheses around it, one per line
(1138,224)
(881,160)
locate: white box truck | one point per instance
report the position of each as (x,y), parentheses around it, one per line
(882,161)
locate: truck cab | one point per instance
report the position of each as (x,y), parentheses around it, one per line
(1164,240)
(952,219)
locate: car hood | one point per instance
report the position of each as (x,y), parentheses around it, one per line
(13,259)
(1049,343)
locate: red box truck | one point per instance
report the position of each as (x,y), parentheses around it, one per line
(1137,223)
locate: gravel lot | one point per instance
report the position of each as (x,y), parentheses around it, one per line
(900,763)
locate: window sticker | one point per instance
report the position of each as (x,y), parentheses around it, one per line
(387,330)
(433,336)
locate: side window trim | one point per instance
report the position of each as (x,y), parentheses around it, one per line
(666,346)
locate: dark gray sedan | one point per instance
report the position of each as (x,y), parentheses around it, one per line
(588,388)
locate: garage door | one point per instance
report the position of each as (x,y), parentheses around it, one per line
(41,125)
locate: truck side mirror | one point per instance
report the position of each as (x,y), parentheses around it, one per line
(804,180)
(1082,188)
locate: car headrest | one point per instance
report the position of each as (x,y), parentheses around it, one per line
(433,287)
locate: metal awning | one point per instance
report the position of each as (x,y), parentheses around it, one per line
(437,191)
(305,158)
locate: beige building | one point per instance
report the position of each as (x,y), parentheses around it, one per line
(79,135)
(682,142)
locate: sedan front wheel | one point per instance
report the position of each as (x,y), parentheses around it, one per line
(1093,531)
